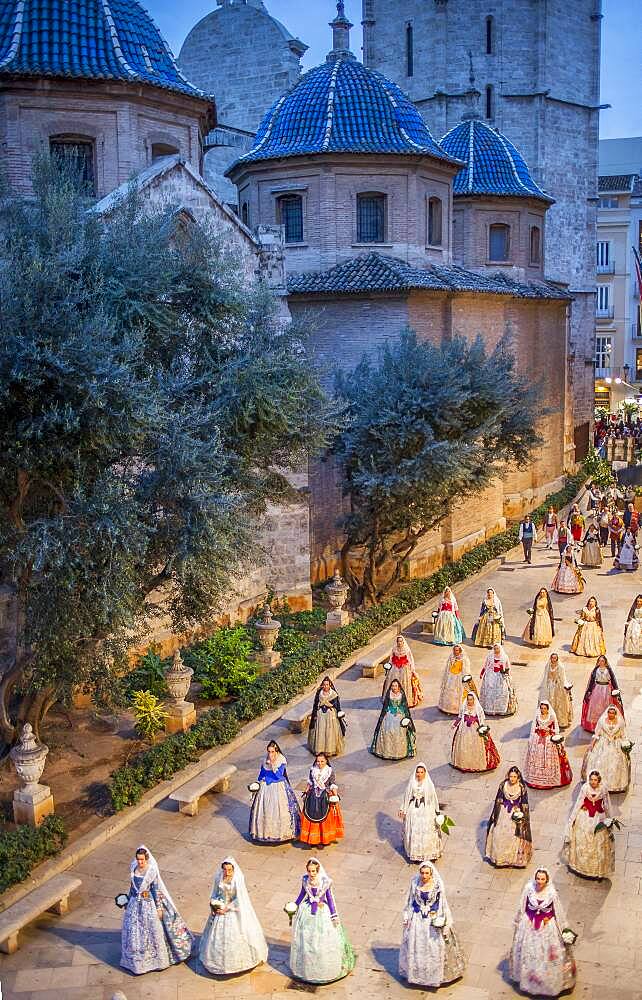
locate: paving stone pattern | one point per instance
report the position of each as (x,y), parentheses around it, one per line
(77,957)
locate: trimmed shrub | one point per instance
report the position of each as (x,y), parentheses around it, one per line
(25,847)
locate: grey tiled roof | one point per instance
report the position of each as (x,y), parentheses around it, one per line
(616,182)
(375,272)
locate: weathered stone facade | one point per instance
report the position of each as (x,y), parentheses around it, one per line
(541,62)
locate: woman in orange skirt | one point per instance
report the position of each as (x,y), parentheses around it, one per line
(322,821)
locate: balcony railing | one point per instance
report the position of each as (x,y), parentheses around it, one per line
(604,312)
(608,268)
(615,373)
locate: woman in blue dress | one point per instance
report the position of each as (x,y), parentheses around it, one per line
(274,817)
(154,935)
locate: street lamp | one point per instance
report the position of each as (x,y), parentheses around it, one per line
(626,369)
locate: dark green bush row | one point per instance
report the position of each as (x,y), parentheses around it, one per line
(297,671)
(25,847)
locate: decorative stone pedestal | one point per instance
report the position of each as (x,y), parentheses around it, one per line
(180,717)
(267,659)
(32,806)
(267,629)
(336,619)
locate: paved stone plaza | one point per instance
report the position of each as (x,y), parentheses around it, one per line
(76,957)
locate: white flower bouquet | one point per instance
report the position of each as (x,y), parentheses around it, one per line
(439,921)
(290,908)
(467,678)
(333,798)
(121,900)
(387,665)
(568,686)
(569,936)
(405,722)
(557,740)
(615,693)
(341,715)
(610,825)
(626,746)
(253,787)
(444,823)
(216,905)
(483,731)
(517,815)
(579,621)
(529,611)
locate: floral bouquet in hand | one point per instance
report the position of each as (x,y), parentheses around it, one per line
(484,731)
(290,908)
(569,936)
(216,905)
(608,824)
(444,823)
(517,815)
(626,746)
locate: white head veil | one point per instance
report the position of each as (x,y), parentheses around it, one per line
(323,879)
(415,789)
(452,599)
(586,792)
(478,710)
(438,885)
(405,649)
(497,604)
(604,726)
(465,660)
(152,874)
(503,657)
(547,896)
(551,717)
(250,927)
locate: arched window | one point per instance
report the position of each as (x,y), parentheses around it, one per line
(371,218)
(161,149)
(498,242)
(489,101)
(489,36)
(76,153)
(434,222)
(290,212)
(245,213)
(410,50)
(536,245)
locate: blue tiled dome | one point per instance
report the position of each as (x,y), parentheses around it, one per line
(493,166)
(342,107)
(95,39)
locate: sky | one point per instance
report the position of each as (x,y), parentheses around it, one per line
(308,19)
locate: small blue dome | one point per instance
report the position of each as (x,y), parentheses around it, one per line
(493,166)
(87,39)
(343,107)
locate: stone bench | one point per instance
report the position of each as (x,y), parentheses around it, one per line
(215,778)
(298,718)
(371,664)
(52,896)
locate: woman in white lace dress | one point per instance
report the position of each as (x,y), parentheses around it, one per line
(472,750)
(456,681)
(422,837)
(588,845)
(233,939)
(605,753)
(497,694)
(540,962)
(633,629)
(430,954)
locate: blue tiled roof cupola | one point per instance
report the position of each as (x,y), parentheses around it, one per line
(87,39)
(493,165)
(343,107)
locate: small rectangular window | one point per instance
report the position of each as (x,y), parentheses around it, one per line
(371,218)
(410,51)
(489,101)
(434,222)
(536,247)
(603,348)
(498,242)
(638,364)
(291,217)
(603,298)
(78,156)
(489,36)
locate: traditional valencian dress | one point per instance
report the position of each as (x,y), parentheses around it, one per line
(599,695)
(274,816)
(568,579)
(540,962)
(327,725)
(509,842)
(453,685)
(591,550)
(627,557)
(394,736)
(497,694)
(546,765)
(150,943)
(448,629)
(632,645)
(402,669)
(422,837)
(320,951)
(232,942)
(322,820)
(540,628)
(589,851)
(606,755)
(557,691)
(470,750)
(490,626)
(589,636)
(430,954)
(577,523)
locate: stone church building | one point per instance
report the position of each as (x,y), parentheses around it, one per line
(343,199)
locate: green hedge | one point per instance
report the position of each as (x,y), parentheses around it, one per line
(25,847)
(220,725)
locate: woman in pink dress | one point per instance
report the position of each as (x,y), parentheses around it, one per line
(602,690)
(546,764)
(568,579)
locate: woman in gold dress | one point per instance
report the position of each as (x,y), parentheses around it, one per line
(490,626)
(540,628)
(589,636)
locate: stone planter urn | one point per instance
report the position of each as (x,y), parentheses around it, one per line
(267,628)
(33,802)
(181,713)
(337,591)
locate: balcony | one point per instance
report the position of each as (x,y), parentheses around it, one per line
(604,312)
(615,373)
(608,268)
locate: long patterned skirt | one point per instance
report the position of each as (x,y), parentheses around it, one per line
(320,951)
(503,847)
(540,963)
(149,944)
(429,956)
(275,816)
(589,853)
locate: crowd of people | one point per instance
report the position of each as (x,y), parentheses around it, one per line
(540,956)
(614,429)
